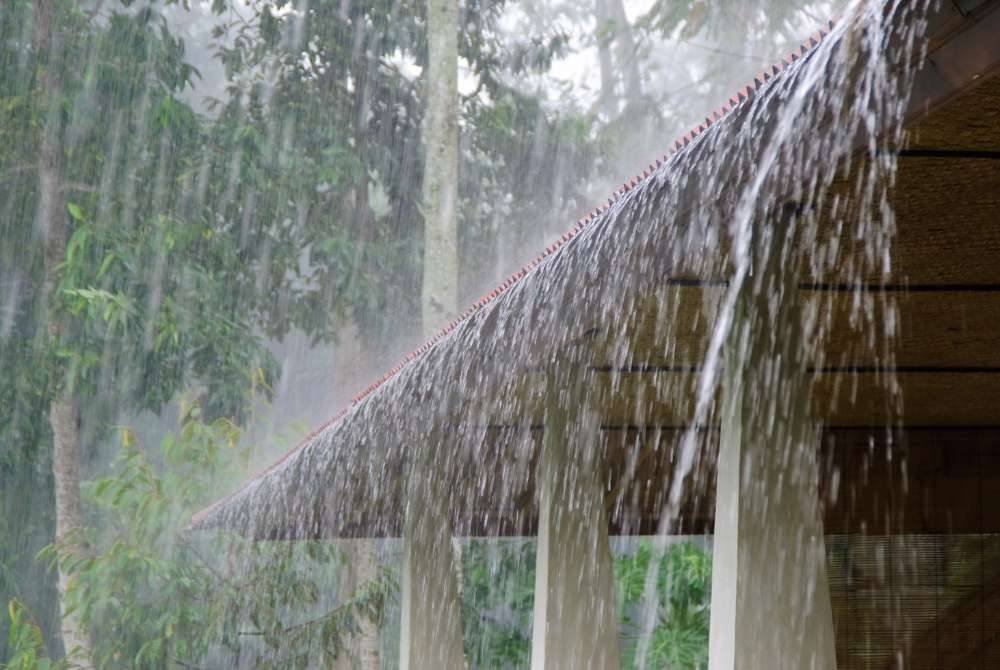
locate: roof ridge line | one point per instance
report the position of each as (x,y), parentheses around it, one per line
(742,96)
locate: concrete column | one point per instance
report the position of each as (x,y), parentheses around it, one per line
(574,624)
(770,595)
(431,626)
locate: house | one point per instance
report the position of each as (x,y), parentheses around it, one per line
(785,333)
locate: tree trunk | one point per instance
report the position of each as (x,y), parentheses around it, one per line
(439,302)
(64,417)
(606,102)
(440,190)
(614,30)
(626,50)
(64,413)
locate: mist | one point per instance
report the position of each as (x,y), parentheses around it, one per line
(218,222)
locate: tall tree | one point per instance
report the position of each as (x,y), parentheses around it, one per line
(183,237)
(618,57)
(440,189)
(120,278)
(52,224)
(439,204)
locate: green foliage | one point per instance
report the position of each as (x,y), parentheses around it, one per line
(189,238)
(754,21)
(25,648)
(497,600)
(350,121)
(172,326)
(194,238)
(498,595)
(141,584)
(683,581)
(153,594)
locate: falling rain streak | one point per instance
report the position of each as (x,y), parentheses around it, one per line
(224,222)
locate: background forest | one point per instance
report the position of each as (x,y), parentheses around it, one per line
(217,222)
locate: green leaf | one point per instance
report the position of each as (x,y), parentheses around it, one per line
(75,211)
(108,260)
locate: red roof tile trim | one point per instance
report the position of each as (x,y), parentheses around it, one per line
(741,96)
(717,115)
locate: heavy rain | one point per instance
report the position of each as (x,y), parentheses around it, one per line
(444,334)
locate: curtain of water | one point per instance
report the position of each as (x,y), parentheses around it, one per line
(844,105)
(704,213)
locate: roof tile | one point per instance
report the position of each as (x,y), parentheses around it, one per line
(741,96)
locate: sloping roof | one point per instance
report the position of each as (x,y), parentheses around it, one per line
(742,95)
(351,452)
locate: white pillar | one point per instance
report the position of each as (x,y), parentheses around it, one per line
(770,596)
(431,625)
(574,626)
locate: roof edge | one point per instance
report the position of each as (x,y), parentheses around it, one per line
(680,145)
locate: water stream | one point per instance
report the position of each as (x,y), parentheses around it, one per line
(818,137)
